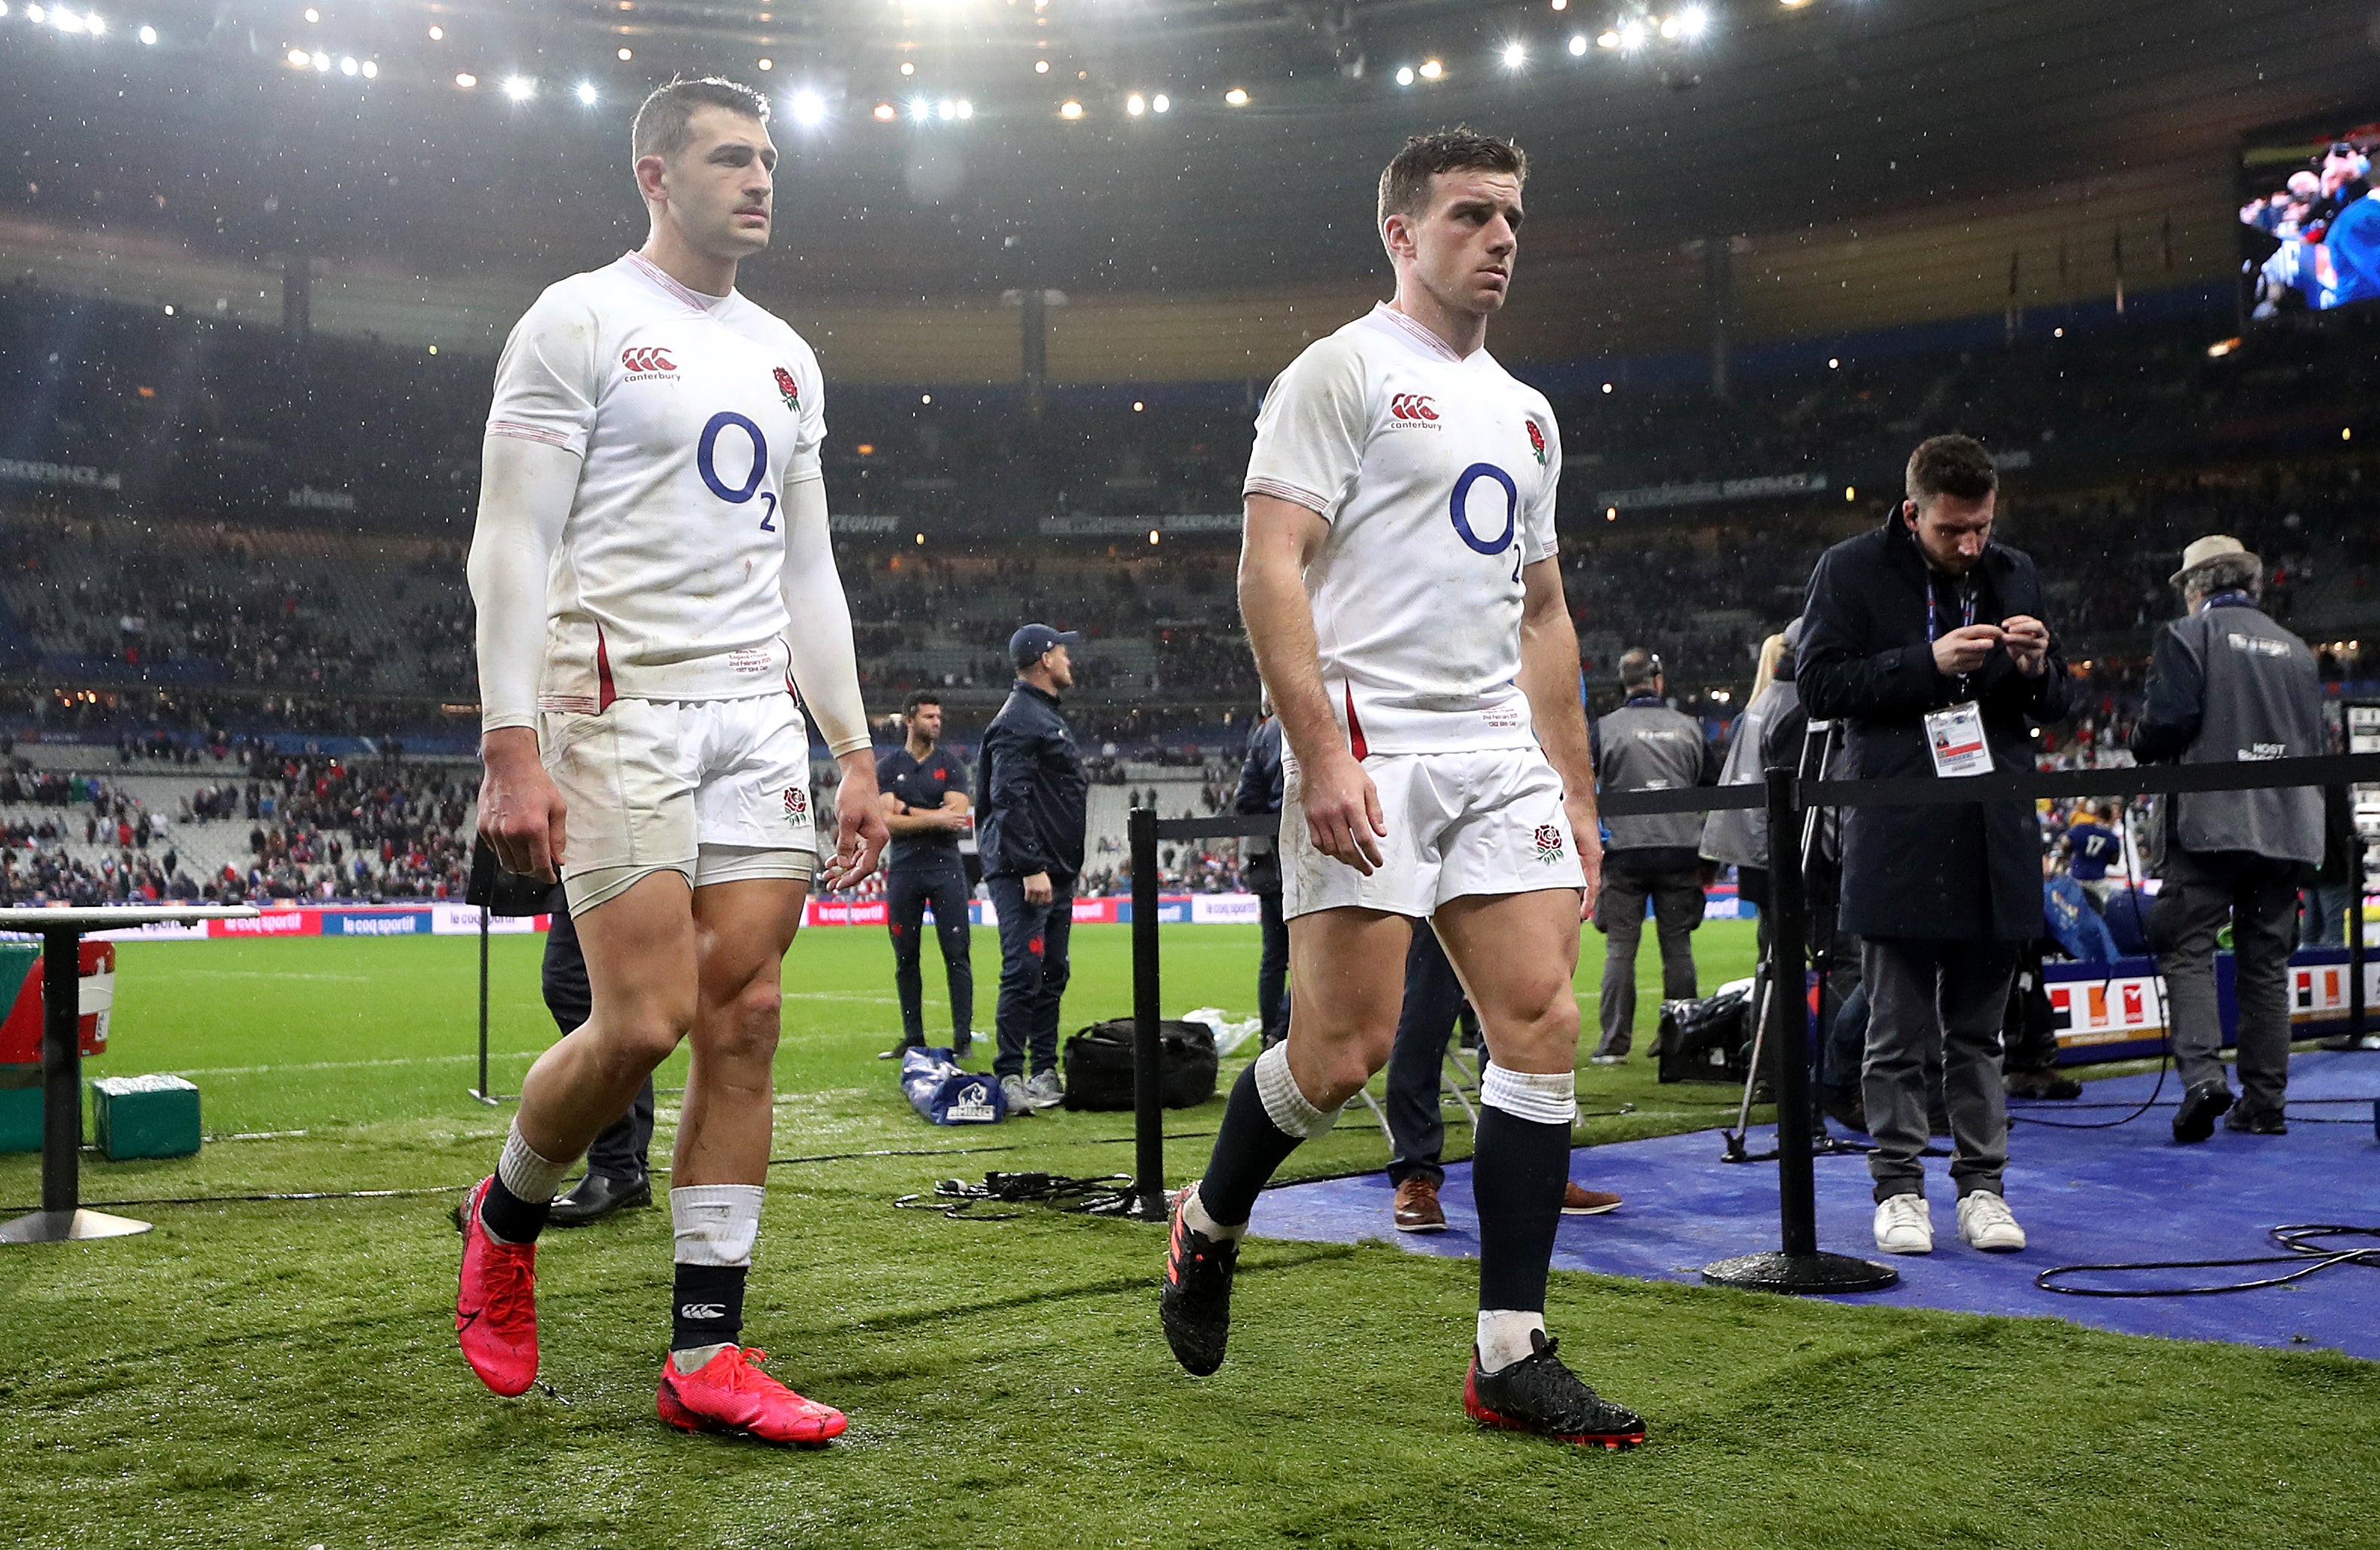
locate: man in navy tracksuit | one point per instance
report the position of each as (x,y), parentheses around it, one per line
(925,794)
(1031,839)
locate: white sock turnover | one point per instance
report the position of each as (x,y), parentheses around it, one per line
(1194,1215)
(532,1178)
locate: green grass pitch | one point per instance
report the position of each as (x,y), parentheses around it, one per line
(284,1374)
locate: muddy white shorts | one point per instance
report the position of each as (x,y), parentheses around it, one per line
(718,790)
(1484,822)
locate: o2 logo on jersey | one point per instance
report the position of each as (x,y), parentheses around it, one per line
(1411,409)
(1458,507)
(706,463)
(649,363)
(789,389)
(1536,442)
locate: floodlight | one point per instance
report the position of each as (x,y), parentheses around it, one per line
(1607,387)
(1515,55)
(296,55)
(1404,74)
(1160,103)
(967,110)
(323,63)
(33,14)
(95,25)
(1694,21)
(1632,34)
(372,70)
(1135,104)
(810,109)
(1577,45)
(1040,67)
(1608,39)
(884,113)
(587,92)
(1070,109)
(766,64)
(348,67)
(520,89)
(908,67)
(313,15)
(627,54)
(438,34)
(1237,96)
(467,81)
(1431,70)
(147,34)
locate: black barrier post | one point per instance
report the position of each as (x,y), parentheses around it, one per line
(2358,1035)
(484,1092)
(1800,1266)
(1148,1049)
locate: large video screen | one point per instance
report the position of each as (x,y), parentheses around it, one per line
(2309,226)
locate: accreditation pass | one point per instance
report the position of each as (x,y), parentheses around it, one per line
(1955,734)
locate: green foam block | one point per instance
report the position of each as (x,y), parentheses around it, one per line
(145,1117)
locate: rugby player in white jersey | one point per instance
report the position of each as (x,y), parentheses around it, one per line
(1403,591)
(655,583)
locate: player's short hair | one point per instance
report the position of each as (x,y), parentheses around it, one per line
(1638,668)
(1405,186)
(1953,466)
(917,697)
(664,125)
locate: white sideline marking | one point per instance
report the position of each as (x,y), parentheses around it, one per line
(356,1065)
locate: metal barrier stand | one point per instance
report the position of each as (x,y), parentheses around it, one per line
(1148,1049)
(1800,1265)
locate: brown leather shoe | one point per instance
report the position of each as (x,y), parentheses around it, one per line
(1417,1207)
(1578,1202)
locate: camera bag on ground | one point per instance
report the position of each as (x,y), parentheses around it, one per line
(1099,1065)
(1708,1040)
(940,1091)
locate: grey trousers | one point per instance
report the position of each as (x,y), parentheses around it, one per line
(1620,911)
(2258,898)
(1928,1000)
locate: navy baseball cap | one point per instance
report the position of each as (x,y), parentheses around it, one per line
(1032,643)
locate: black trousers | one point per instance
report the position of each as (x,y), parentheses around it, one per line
(1033,972)
(622,1150)
(1434,1001)
(1677,896)
(909,891)
(2257,897)
(1272,970)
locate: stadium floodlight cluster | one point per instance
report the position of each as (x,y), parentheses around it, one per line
(1639,26)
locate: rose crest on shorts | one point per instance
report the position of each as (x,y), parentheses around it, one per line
(797,805)
(1548,839)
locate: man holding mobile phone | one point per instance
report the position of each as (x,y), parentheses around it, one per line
(1924,637)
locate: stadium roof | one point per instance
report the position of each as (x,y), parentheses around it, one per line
(1887,159)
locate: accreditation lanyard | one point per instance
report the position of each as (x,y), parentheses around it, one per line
(1966,617)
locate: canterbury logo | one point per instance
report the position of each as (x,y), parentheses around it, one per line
(647,358)
(703,1310)
(1412,406)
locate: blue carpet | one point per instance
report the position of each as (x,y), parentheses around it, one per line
(2084,1196)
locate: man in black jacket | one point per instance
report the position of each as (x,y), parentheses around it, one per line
(1924,639)
(1259,792)
(2227,683)
(1031,840)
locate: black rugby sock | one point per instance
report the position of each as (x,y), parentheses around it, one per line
(509,1218)
(1248,1149)
(1518,1168)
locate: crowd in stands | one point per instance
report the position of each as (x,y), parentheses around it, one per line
(317,829)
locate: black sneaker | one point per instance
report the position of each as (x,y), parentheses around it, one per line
(2201,1107)
(1538,1394)
(2042,1084)
(1194,1305)
(2255,1121)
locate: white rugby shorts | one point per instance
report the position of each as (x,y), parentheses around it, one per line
(1489,821)
(718,790)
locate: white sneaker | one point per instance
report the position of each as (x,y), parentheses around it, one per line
(1020,1098)
(1042,1089)
(1985,1221)
(1607,1060)
(1903,1226)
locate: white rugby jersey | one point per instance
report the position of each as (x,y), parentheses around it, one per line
(1436,474)
(692,414)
